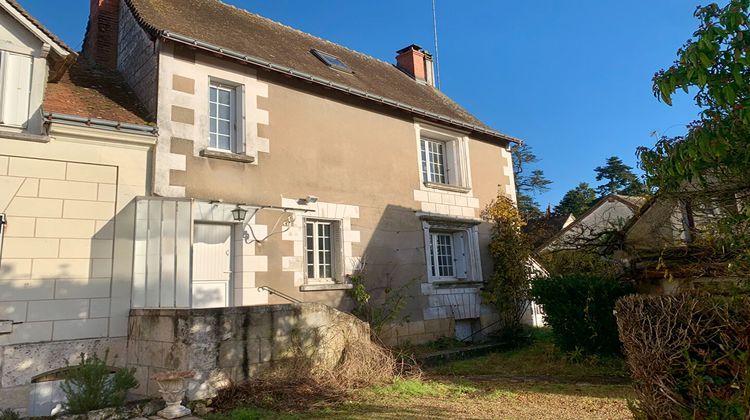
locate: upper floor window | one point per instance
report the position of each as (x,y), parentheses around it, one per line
(222,120)
(15,88)
(444,161)
(433,161)
(321,249)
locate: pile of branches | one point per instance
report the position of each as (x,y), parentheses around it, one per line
(689,354)
(308,377)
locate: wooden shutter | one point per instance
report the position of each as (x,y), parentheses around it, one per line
(16,88)
(460,249)
(337,251)
(239,120)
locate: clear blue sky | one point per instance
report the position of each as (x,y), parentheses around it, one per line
(571,78)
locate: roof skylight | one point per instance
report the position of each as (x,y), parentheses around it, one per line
(331,60)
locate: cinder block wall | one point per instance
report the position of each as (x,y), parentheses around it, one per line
(224,345)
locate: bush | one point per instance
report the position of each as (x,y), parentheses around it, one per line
(579,308)
(688,354)
(8,414)
(91,385)
(384,310)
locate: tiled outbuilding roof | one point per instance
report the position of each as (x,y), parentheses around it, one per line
(91,91)
(241,34)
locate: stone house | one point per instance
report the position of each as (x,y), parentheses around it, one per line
(609,214)
(200,156)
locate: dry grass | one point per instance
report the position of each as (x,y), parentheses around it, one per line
(487,401)
(486,391)
(314,375)
(467,400)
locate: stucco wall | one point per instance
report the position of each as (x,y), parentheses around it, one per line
(308,141)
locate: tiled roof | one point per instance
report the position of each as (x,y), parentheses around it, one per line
(91,91)
(239,31)
(635,201)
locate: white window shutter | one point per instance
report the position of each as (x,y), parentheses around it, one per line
(460,249)
(16,89)
(337,250)
(241,135)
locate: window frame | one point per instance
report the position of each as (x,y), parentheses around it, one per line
(435,265)
(334,251)
(467,266)
(427,154)
(232,90)
(456,164)
(237,113)
(331,61)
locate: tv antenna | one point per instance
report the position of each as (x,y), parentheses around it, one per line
(434,30)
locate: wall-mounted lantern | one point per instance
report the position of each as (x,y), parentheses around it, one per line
(239,214)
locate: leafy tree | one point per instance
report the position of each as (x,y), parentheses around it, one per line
(577,200)
(507,290)
(709,165)
(619,178)
(527,185)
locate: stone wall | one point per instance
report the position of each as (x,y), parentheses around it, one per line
(20,364)
(223,345)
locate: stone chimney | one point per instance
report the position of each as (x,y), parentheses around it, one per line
(417,63)
(429,69)
(100,43)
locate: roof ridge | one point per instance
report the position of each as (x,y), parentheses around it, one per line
(367,56)
(25,13)
(253,41)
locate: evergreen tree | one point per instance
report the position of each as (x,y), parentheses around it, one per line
(619,178)
(577,200)
(527,184)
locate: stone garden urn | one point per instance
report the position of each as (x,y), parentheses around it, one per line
(172,388)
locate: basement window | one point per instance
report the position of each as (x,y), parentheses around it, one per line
(331,60)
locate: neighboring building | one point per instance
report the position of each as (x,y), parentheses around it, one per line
(608,215)
(662,249)
(74,151)
(541,229)
(283,164)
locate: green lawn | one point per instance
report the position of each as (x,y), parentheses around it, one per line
(534,381)
(539,359)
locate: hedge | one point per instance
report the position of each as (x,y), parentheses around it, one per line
(688,354)
(580,310)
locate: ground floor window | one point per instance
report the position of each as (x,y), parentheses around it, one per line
(321,249)
(442,255)
(452,251)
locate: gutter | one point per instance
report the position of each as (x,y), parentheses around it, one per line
(333,85)
(100,123)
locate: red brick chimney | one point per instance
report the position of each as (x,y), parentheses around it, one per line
(411,61)
(417,63)
(100,43)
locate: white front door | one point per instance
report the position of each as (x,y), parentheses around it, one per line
(212,265)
